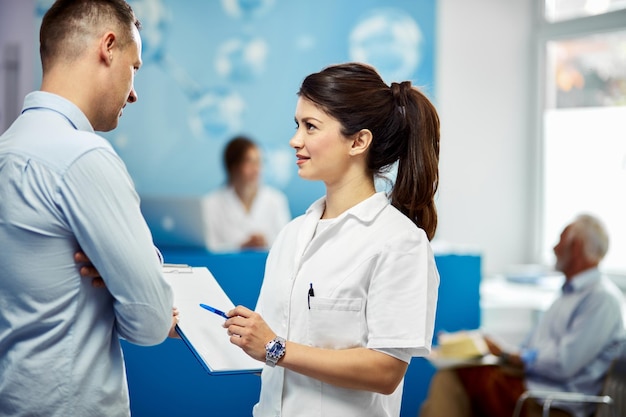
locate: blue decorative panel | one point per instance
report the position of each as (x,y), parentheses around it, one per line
(213,69)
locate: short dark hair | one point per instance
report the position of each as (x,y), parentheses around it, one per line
(235,153)
(68,22)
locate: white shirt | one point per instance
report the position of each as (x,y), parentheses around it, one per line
(375,283)
(229,225)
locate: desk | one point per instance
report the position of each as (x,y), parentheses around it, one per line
(167,381)
(511,309)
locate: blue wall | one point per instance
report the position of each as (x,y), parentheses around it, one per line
(216,68)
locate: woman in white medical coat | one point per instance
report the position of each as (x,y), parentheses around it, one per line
(350,287)
(243,214)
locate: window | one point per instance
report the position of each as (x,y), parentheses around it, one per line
(556,10)
(583,122)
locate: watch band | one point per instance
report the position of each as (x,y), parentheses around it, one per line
(274,350)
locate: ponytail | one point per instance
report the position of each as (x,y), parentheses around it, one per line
(417,179)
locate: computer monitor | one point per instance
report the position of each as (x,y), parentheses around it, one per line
(175,221)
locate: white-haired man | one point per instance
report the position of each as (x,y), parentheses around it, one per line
(570,349)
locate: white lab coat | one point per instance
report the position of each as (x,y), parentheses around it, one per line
(375,284)
(228,225)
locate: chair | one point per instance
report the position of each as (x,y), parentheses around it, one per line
(610,403)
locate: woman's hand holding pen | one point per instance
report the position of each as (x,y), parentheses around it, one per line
(249,331)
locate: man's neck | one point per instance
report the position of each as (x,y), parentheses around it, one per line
(579,269)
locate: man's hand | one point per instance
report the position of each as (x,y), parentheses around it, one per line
(493,347)
(88,270)
(510,359)
(173,333)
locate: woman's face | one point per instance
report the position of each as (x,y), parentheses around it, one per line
(322,152)
(249,171)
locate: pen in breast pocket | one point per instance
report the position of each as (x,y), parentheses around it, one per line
(311,294)
(214,310)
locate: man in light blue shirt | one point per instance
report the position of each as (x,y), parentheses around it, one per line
(570,349)
(63,189)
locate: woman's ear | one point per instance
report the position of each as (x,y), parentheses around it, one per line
(361,142)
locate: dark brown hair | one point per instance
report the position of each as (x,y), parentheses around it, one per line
(404,126)
(235,153)
(68,23)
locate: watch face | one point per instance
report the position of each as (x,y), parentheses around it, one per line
(275,348)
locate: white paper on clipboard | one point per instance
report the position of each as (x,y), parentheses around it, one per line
(202,330)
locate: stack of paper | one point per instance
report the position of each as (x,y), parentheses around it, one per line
(462,345)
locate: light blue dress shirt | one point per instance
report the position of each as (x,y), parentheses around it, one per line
(576,339)
(63,188)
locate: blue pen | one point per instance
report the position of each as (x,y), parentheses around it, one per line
(215,310)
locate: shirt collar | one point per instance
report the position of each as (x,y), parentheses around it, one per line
(365,211)
(581,280)
(45,100)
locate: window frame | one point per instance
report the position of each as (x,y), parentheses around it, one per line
(545,32)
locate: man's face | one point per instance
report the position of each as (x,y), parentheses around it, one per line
(124,65)
(563,250)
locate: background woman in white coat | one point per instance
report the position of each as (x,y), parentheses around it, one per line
(350,287)
(244,213)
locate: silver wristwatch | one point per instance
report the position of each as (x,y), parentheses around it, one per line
(274,350)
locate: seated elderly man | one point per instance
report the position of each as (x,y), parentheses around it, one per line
(570,349)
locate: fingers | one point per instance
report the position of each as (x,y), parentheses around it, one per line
(249,344)
(240,311)
(98,283)
(493,347)
(249,331)
(81,257)
(89,271)
(241,318)
(173,333)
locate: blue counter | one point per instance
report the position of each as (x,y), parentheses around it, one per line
(167,381)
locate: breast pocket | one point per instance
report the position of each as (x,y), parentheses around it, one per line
(336,323)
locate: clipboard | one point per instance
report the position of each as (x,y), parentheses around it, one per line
(202,330)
